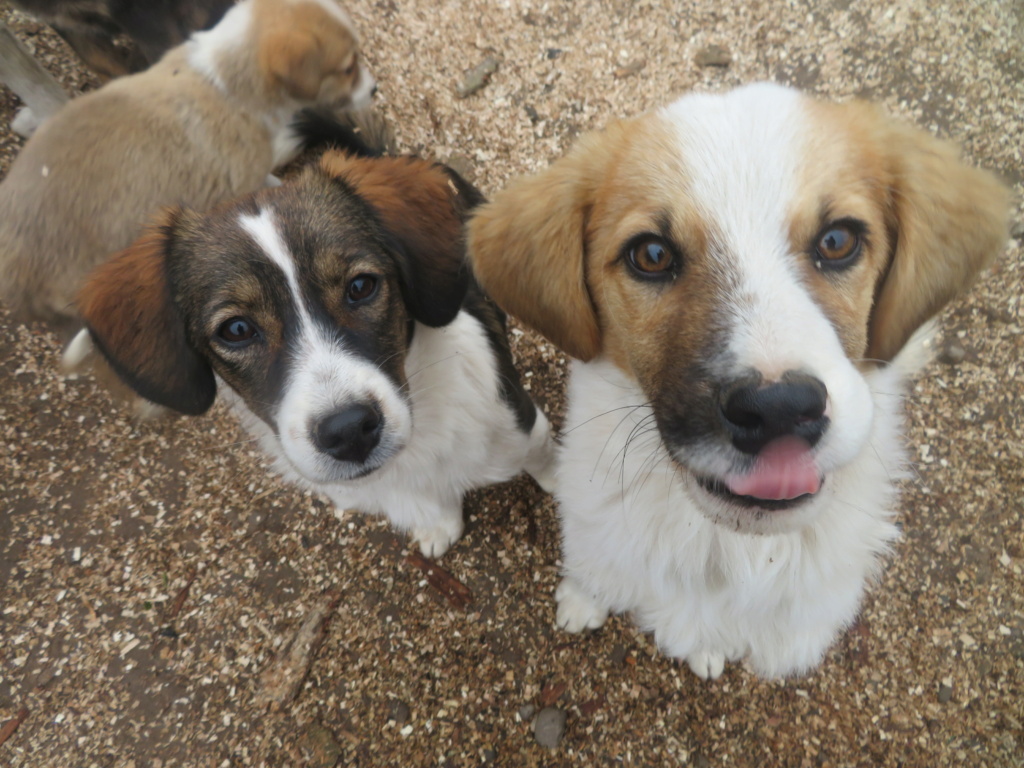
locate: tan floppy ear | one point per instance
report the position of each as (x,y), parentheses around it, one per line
(947,222)
(293,59)
(527,249)
(129,310)
(300,58)
(423,207)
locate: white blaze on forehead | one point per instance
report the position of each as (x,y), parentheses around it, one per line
(743,153)
(262,228)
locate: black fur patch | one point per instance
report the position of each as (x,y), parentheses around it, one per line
(511,386)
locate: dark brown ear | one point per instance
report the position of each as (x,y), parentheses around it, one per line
(528,252)
(948,221)
(129,310)
(423,206)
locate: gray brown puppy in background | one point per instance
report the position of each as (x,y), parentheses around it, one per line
(208,122)
(155,26)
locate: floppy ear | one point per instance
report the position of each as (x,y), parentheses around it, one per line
(298,58)
(130,312)
(293,59)
(423,207)
(528,252)
(947,222)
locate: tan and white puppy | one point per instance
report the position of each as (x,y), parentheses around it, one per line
(207,122)
(737,275)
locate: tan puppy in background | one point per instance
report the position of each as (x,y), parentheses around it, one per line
(209,121)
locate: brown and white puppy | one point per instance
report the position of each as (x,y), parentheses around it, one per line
(338,315)
(90,27)
(208,122)
(737,275)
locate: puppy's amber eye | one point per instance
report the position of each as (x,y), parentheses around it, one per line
(838,245)
(351,67)
(361,288)
(651,257)
(238,332)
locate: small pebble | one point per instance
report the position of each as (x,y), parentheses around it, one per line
(628,70)
(618,654)
(526,712)
(399,712)
(952,353)
(477,77)
(1018,231)
(319,747)
(945,693)
(713,56)
(549,727)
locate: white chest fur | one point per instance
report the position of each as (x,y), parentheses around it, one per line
(635,541)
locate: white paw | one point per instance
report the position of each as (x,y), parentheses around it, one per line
(545,477)
(438,539)
(543,456)
(577,610)
(707,665)
(25,123)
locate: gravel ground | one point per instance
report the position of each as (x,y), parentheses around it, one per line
(152,575)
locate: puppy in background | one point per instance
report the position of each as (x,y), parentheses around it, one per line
(154,26)
(209,121)
(336,315)
(738,277)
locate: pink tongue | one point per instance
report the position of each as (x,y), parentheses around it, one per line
(784,469)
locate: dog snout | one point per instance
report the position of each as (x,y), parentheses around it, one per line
(350,434)
(756,413)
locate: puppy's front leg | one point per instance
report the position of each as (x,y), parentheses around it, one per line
(442,527)
(577,609)
(541,455)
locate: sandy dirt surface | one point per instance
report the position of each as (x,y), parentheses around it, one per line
(152,576)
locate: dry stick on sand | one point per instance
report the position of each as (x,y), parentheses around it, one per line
(179,601)
(283,678)
(8,728)
(457,593)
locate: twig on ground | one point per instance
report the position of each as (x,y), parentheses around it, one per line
(182,596)
(7,729)
(453,590)
(281,681)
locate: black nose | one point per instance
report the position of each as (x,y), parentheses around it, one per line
(373,91)
(350,434)
(756,414)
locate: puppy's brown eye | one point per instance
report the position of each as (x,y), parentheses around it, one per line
(652,257)
(348,70)
(237,332)
(838,245)
(361,288)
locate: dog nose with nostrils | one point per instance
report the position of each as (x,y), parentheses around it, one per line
(756,413)
(350,434)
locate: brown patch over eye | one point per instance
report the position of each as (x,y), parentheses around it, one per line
(650,256)
(839,244)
